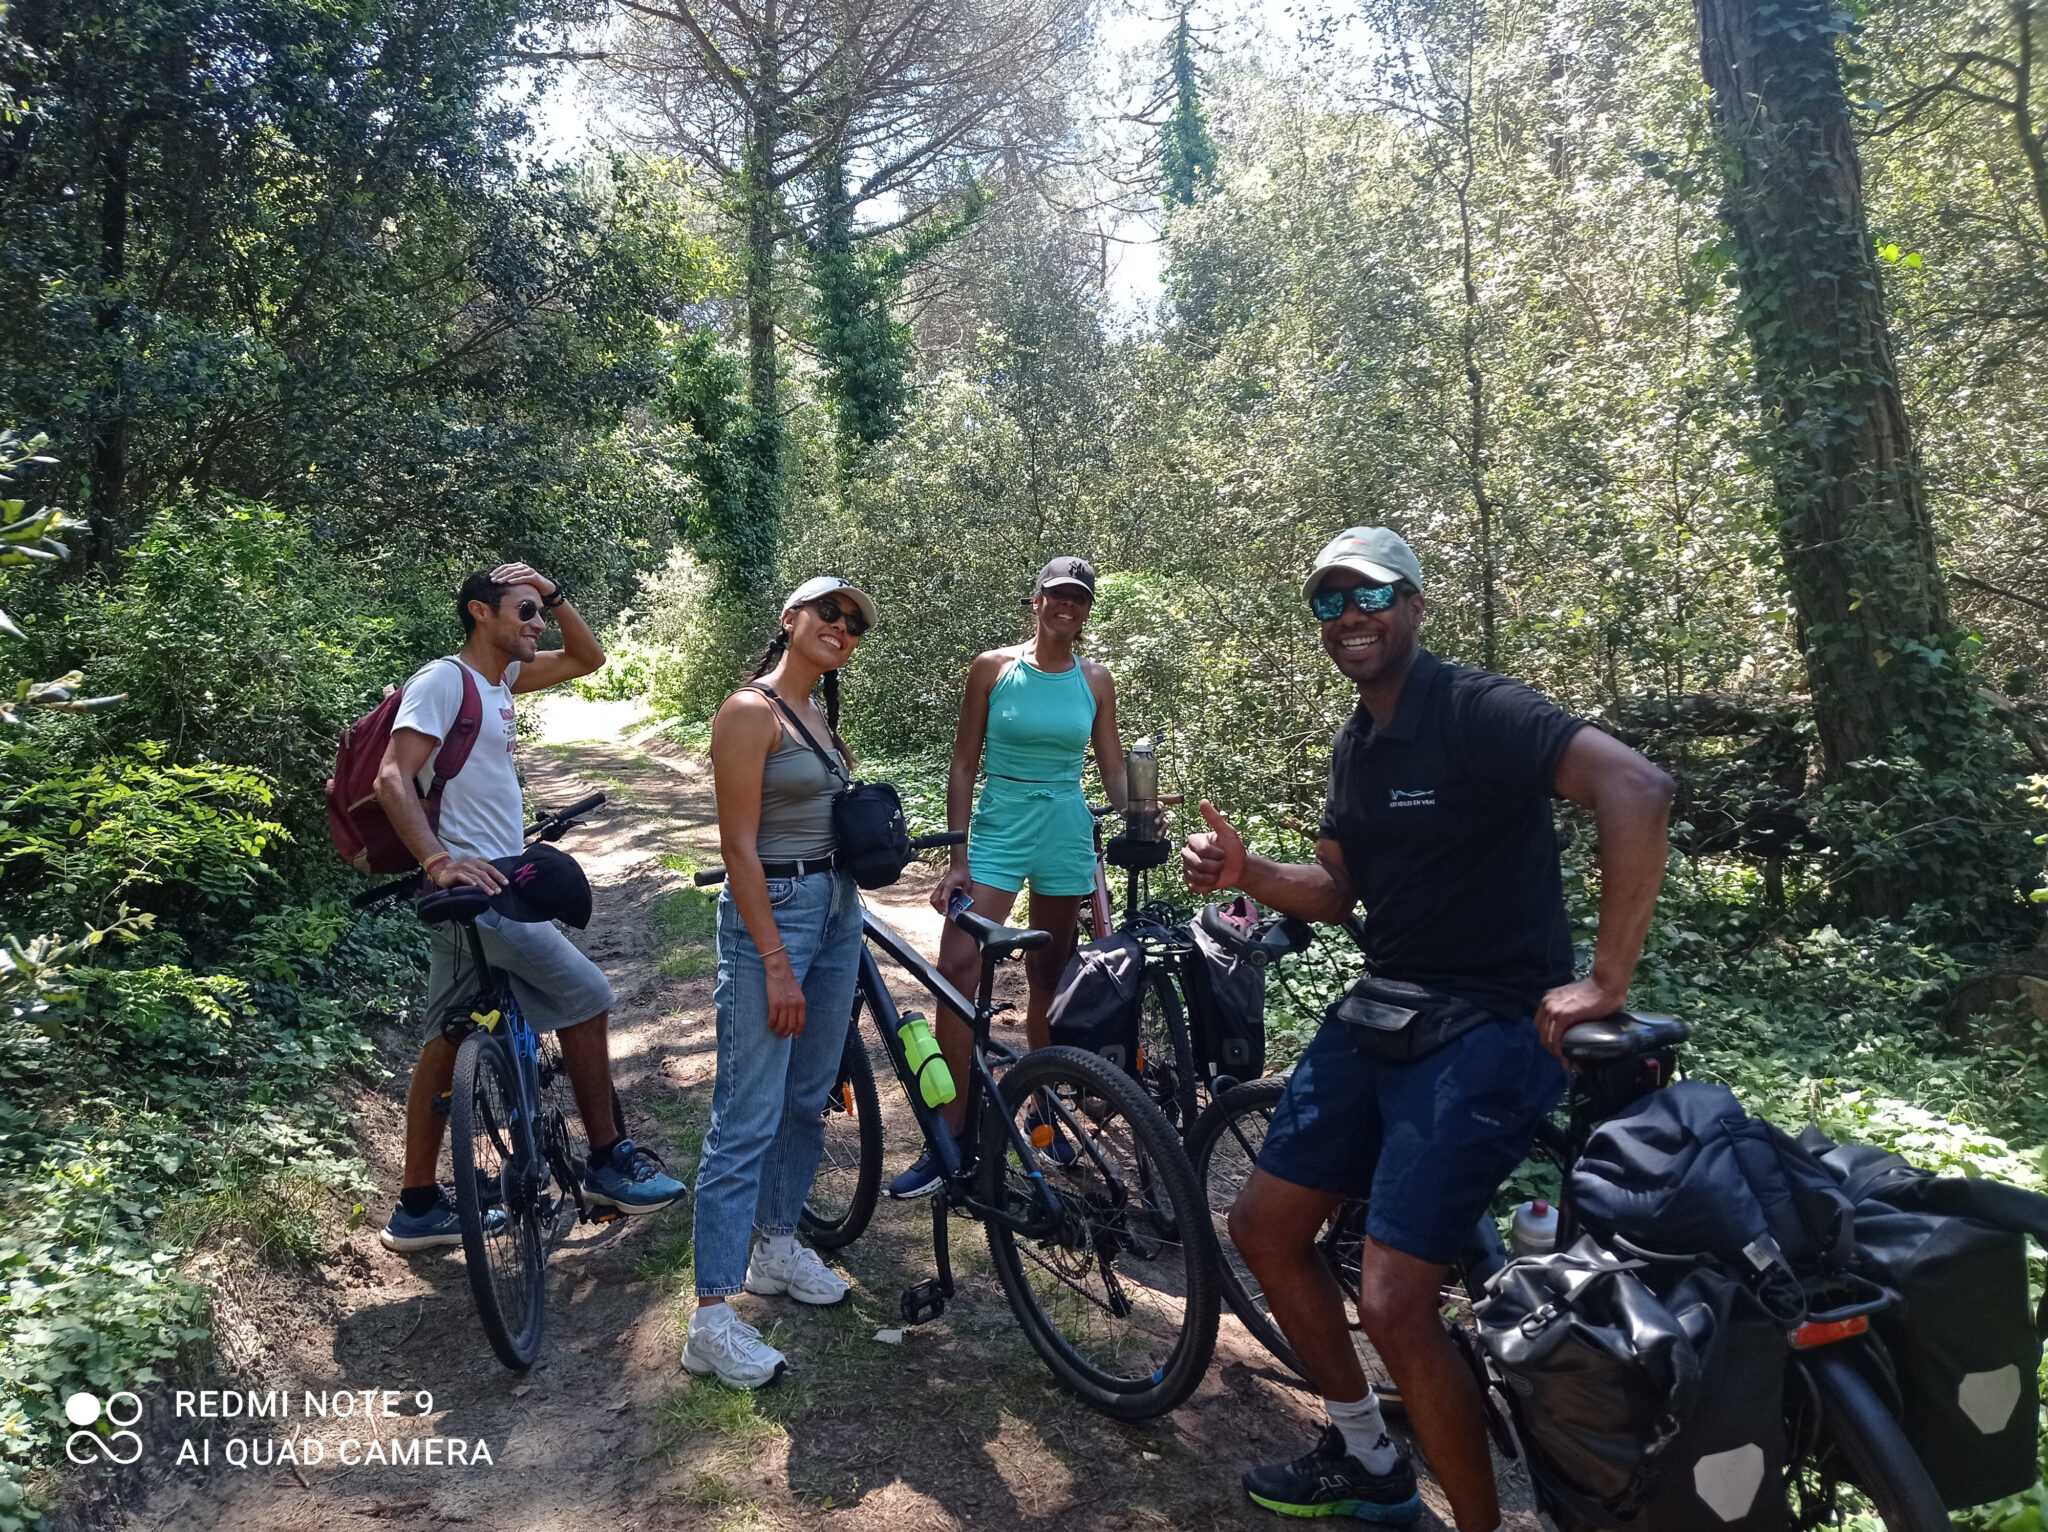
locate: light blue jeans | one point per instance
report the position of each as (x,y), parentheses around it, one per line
(767,1108)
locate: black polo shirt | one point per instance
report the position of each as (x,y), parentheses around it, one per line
(1445,822)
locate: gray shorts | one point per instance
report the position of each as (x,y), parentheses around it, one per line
(554,984)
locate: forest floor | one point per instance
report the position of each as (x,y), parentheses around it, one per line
(958,1426)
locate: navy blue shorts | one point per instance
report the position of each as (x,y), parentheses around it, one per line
(1428,1141)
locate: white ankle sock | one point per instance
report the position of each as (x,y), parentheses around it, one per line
(708,1316)
(1365,1433)
(777,1247)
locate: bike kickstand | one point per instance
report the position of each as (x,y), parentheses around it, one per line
(927,1300)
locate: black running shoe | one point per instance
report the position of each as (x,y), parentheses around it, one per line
(1331,1482)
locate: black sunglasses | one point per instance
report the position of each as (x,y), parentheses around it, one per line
(830,611)
(528,610)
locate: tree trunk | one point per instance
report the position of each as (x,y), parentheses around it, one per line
(105,497)
(754,543)
(1852,521)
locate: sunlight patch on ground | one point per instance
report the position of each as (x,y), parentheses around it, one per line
(561,717)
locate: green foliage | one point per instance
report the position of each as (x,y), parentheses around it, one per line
(1187,154)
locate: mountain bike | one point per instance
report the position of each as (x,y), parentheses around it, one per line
(1103,1259)
(519,1171)
(1841,1400)
(1165,1063)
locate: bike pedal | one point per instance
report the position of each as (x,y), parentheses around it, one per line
(605,1215)
(443,1102)
(924,1302)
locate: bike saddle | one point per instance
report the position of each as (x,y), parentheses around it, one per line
(999,941)
(463,901)
(1621,1036)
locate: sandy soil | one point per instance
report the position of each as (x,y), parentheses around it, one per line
(958,1426)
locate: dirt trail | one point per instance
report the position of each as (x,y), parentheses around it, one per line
(959,1426)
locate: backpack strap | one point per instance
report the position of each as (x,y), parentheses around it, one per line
(462,737)
(796,723)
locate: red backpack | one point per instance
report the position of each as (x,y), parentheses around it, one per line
(362,833)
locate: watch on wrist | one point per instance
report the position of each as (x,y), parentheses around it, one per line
(555,597)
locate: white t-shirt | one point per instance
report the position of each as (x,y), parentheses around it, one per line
(482,813)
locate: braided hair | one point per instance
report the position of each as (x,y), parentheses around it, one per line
(777,647)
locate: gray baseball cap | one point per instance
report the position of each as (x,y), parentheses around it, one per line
(1374,552)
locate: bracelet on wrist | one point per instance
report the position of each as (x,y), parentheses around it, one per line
(778,947)
(439,856)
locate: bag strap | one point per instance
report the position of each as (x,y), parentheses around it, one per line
(797,723)
(462,737)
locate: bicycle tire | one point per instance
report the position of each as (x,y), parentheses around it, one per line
(1880,1461)
(508,1267)
(1170,1084)
(854,1097)
(1172,1357)
(1222,1135)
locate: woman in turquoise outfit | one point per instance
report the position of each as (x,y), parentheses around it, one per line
(1034,710)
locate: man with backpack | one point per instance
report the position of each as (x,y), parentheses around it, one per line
(1424,1086)
(457,821)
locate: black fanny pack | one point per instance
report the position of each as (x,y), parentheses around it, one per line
(872,838)
(1396,1021)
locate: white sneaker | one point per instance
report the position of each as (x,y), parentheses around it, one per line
(781,1265)
(726,1347)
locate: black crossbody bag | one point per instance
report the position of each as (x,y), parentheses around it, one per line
(1396,1021)
(867,817)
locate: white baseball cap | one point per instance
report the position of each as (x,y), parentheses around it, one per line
(832,585)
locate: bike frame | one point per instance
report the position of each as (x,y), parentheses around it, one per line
(522,1045)
(957,1163)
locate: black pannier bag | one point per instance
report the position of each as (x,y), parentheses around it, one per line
(1600,1371)
(1965,1343)
(1687,1171)
(1226,1008)
(1097,1002)
(1642,1413)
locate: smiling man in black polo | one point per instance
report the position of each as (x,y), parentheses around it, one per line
(1439,821)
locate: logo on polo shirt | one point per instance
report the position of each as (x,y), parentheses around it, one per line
(1411,798)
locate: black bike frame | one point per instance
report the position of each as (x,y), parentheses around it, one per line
(958,1163)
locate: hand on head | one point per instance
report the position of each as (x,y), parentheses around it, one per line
(1214,859)
(523,574)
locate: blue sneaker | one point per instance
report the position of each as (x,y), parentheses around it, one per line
(631,1180)
(434,1229)
(1328,1481)
(921,1180)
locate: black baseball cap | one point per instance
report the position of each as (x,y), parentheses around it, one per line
(543,884)
(1066,570)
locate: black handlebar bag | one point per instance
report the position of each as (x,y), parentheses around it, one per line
(1966,1341)
(1226,1008)
(1096,1004)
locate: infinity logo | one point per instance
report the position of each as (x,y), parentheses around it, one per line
(84,1410)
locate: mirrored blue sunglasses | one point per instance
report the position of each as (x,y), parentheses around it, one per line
(1328,605)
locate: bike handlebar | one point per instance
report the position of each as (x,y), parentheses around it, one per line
(933,842)
(550,825)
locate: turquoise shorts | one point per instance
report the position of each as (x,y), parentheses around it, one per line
(1032,832)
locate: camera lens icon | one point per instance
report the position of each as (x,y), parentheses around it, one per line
(122,1409)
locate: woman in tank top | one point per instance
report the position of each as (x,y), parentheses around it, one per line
(789,924)
(1033,711)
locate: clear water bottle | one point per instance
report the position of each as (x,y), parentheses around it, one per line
(1534,1231)
(1141,784)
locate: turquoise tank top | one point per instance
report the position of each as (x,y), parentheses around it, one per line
(1039,723)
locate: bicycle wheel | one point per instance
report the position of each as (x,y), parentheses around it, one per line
(1874,1453)
(849,1179)
(1119,1297)
(1166,1055)
(507,1261)
(1223,1148)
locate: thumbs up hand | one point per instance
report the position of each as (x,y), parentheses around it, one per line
(1216,859)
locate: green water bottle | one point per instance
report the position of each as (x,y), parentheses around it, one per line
(934,1079)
